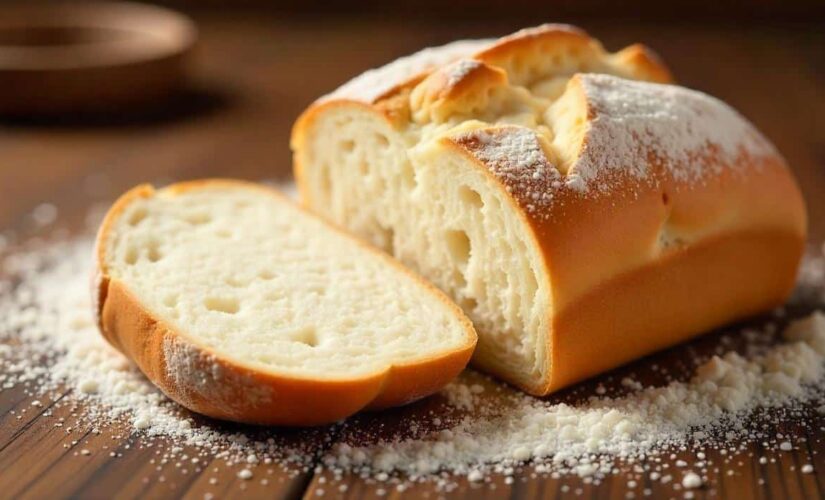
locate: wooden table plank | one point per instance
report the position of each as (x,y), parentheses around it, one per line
(255,74)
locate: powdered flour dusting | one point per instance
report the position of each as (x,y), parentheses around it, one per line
(680,127)
(49,343)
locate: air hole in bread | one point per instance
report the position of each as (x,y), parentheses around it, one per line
(348,146)
(265,274)
(223,233)
(532,284)
(408,176)
(170,300)
(363,167)
(226,305)
(131,256)
(458,244)
(470,196)
(382,140)
(153,252)
(460,280)
(137,216)
(468,303)
(326,182)
(387,239)
(198,218)
(379,182)
(236,282)
(307,336)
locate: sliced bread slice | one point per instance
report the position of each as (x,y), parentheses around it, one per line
(241,306)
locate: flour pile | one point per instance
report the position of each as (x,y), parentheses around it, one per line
(50,345)
(524,428)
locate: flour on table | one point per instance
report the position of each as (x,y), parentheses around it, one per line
(50,346)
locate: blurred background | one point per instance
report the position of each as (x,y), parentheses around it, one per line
(224,105)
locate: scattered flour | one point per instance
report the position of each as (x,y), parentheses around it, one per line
(44,214)
(56,353)
(47,319)
(88,386)
(692,480)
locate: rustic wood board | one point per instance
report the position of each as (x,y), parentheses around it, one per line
(255,74)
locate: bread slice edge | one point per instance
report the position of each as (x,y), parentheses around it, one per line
(216,385)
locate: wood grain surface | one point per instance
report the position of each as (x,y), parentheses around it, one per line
(253,74)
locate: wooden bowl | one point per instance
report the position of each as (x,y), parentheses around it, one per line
(89,57)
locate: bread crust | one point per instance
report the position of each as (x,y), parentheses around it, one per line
(207,382)
(618,294)
(614,302)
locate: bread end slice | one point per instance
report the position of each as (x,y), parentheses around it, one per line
(241,306)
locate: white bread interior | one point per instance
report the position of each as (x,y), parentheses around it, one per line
(239,274)
(534,191)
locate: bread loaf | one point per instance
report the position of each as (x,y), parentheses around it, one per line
(581,210)
(241,306)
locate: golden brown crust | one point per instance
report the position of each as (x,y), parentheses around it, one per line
(635,261)
(670,300)
(532,47)
(618,295)
(209,383)
(463,87)
(525,52)
(555,33)
(643,64)
(386,89)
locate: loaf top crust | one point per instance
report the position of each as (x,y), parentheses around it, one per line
(597,149)
(557,119)
(608,173)
(526,55)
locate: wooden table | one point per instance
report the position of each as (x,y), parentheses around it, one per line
(253,75)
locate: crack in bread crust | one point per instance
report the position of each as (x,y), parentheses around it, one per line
(521,174)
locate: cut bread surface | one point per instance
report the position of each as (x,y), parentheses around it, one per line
(532,177)
(239,274)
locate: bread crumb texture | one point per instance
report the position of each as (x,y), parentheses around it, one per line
(483,164)
(254,279)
